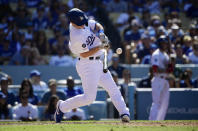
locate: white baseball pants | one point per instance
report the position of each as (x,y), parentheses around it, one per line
(91,73)
(160,96)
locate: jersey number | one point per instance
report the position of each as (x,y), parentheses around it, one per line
(90,40)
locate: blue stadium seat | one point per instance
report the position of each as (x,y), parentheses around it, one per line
(101,95)
(41,112)
(86,110)
(98,109)
(10,112)
(14,89)
(39,94)
(61,88)
(131,103)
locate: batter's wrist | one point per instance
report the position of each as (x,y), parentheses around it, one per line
(100,31)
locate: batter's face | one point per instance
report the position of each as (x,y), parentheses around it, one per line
(164,46)
(78,27)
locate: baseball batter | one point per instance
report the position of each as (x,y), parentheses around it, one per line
(160,86)
(86,38)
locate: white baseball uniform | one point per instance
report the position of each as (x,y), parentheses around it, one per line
(160,87)
(91,71)
(25,111)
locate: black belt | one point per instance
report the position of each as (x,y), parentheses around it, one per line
(93,58)
(163,77)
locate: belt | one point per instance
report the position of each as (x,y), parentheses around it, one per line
(92,58)
(164,77)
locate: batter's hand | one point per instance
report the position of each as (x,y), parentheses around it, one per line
(105,46)
(103,38)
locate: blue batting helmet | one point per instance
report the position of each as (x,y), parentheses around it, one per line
(162,40)
(77,17)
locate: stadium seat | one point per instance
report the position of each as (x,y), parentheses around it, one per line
(10,112)
(14,89)
(101,95)
(98,109)
(39,94)
(41,112)
(61,88)
(86,110)
(131,103)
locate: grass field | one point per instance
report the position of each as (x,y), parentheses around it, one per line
(101,126)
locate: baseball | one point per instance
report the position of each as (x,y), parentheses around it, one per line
(119,51)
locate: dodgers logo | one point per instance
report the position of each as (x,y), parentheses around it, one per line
(90,40)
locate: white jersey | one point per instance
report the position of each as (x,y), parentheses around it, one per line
(82,40)
(25,111)
(193,58)
(160,87)
(42,86)
(160,59)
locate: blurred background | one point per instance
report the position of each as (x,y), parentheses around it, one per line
(37,68)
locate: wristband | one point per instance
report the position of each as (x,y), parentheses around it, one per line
(100,31)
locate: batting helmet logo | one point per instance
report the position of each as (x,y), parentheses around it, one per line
(81,18)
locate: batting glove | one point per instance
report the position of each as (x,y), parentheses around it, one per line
(105,46)
(103,38)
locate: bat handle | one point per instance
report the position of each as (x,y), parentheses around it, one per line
(105,70)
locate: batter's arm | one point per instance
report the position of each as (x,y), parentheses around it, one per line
(99,27)
(91,52)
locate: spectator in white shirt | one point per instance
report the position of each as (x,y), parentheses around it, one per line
(193,56)
(37,84)
(61,59)
(75,114)
(25,111)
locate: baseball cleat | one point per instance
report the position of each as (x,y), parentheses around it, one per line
(58,114)
(125,118)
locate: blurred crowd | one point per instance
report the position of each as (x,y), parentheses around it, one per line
(35,32)
(140,24)
(24,105)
